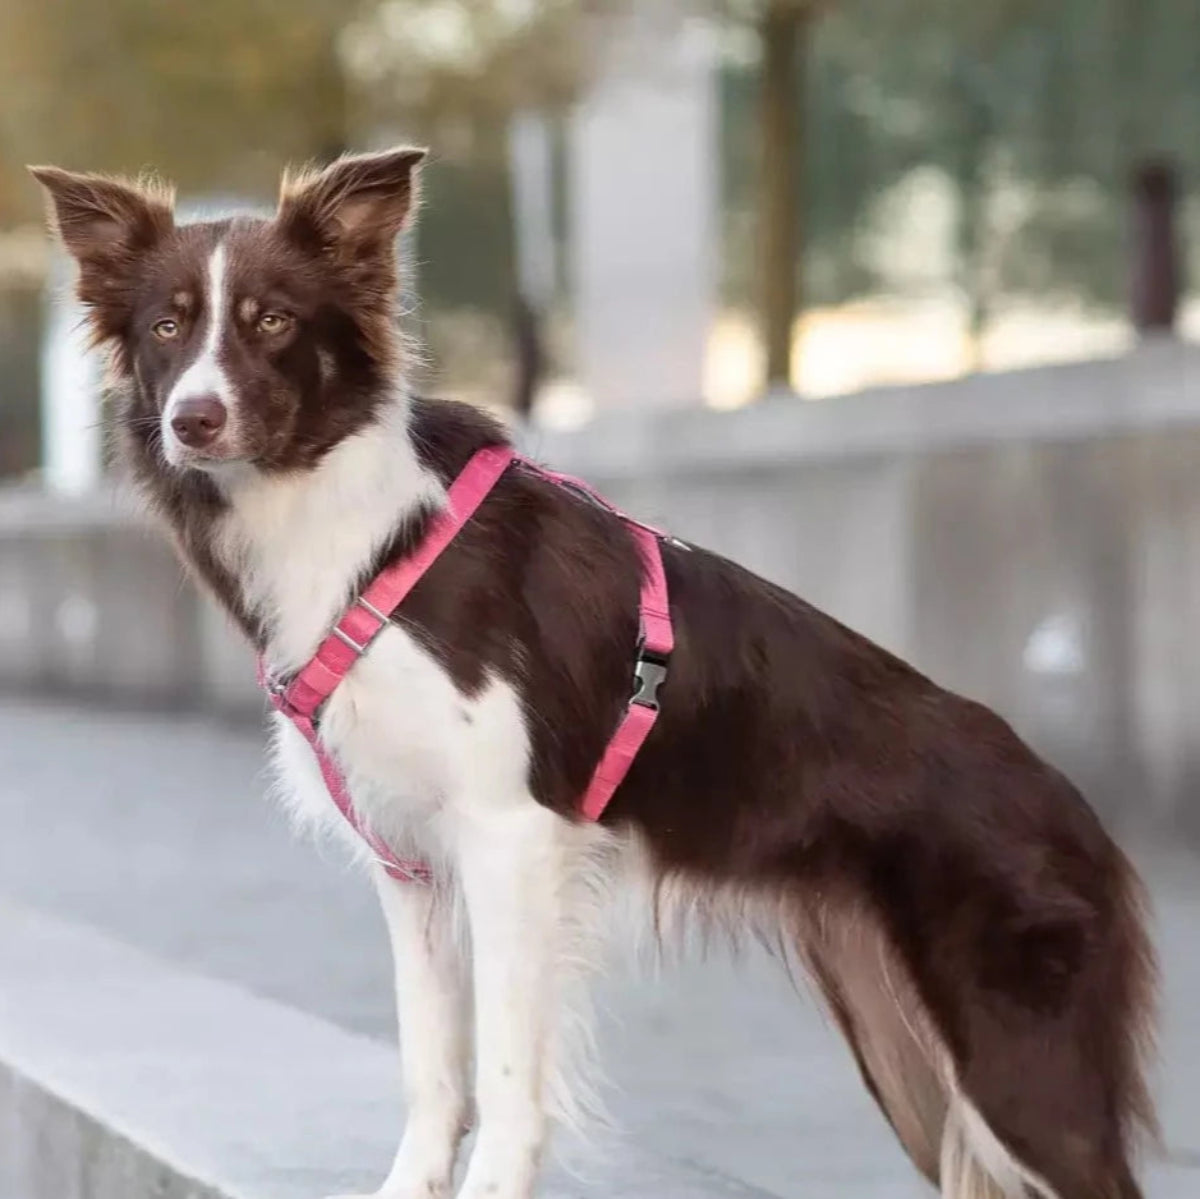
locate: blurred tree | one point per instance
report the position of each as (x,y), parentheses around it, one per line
(454,73)
(456,69)
(1034,112)
(953,71)
(1031,114)
(198,90)
(785,36)
(1037,113)
(462,66)
(1119,83)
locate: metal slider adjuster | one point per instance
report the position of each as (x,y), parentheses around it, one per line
(649,674)
(277,687)
(349,641)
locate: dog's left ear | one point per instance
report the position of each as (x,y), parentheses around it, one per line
(358,203)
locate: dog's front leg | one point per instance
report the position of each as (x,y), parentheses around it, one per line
(432,994)
(512,863)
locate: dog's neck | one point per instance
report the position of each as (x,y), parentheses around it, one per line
(296,544)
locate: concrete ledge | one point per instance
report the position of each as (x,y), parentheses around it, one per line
(121,1077)
(1153,387)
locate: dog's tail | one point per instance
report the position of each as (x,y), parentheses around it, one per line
(1008,1059)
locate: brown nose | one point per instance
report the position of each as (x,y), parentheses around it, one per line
(198,420)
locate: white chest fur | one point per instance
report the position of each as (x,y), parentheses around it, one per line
(416,754)
(411,746)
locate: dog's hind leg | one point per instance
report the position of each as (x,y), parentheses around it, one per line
(432,1002)
(1053,1035)
(1025,1079)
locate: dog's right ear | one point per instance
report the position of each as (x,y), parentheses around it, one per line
(104,221)
(107,225)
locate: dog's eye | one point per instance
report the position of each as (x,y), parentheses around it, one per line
(165,329)
(273,322)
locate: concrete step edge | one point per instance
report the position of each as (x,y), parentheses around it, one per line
(123,1076)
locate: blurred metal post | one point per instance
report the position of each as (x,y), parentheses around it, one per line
(1156,253)
(72,439)
(531,169)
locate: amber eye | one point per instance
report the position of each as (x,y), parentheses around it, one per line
(165,330)
(273,322)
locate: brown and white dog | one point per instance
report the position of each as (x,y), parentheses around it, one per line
(975,932)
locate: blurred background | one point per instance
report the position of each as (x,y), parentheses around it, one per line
(834,193)
(895,302)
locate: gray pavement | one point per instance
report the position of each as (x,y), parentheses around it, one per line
(154,830)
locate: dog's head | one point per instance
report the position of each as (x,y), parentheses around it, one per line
(256,341)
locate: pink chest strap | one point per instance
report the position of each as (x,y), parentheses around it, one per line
(301,697)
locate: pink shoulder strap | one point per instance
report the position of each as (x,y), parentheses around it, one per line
(301,698)
(361,622)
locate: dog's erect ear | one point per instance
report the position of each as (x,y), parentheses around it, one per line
(358,203)
(104,221)
(107,225)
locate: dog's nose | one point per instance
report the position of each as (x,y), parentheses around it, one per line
(198,420)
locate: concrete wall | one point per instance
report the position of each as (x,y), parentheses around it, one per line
(92,603)
(1031,539)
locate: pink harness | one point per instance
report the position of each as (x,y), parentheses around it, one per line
(300,698)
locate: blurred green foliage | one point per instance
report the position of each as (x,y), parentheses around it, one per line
(1035,111)
(1032,110)
(224,90)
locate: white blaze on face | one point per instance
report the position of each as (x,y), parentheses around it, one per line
(204,376)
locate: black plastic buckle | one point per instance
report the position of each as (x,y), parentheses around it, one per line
(649,674)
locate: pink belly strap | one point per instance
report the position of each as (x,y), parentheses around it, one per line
(301,697)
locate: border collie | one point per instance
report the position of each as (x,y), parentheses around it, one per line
(977,936)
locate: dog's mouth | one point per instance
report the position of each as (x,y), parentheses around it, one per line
(209,459)
(213,464)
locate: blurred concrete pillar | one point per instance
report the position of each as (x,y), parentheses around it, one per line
(1156,256)
(531,169)
(72,440)
(643,153)
(531,159)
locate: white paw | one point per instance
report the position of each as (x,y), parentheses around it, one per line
(429,1190)
(510,1173)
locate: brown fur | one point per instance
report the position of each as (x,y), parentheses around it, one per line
(975,932)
